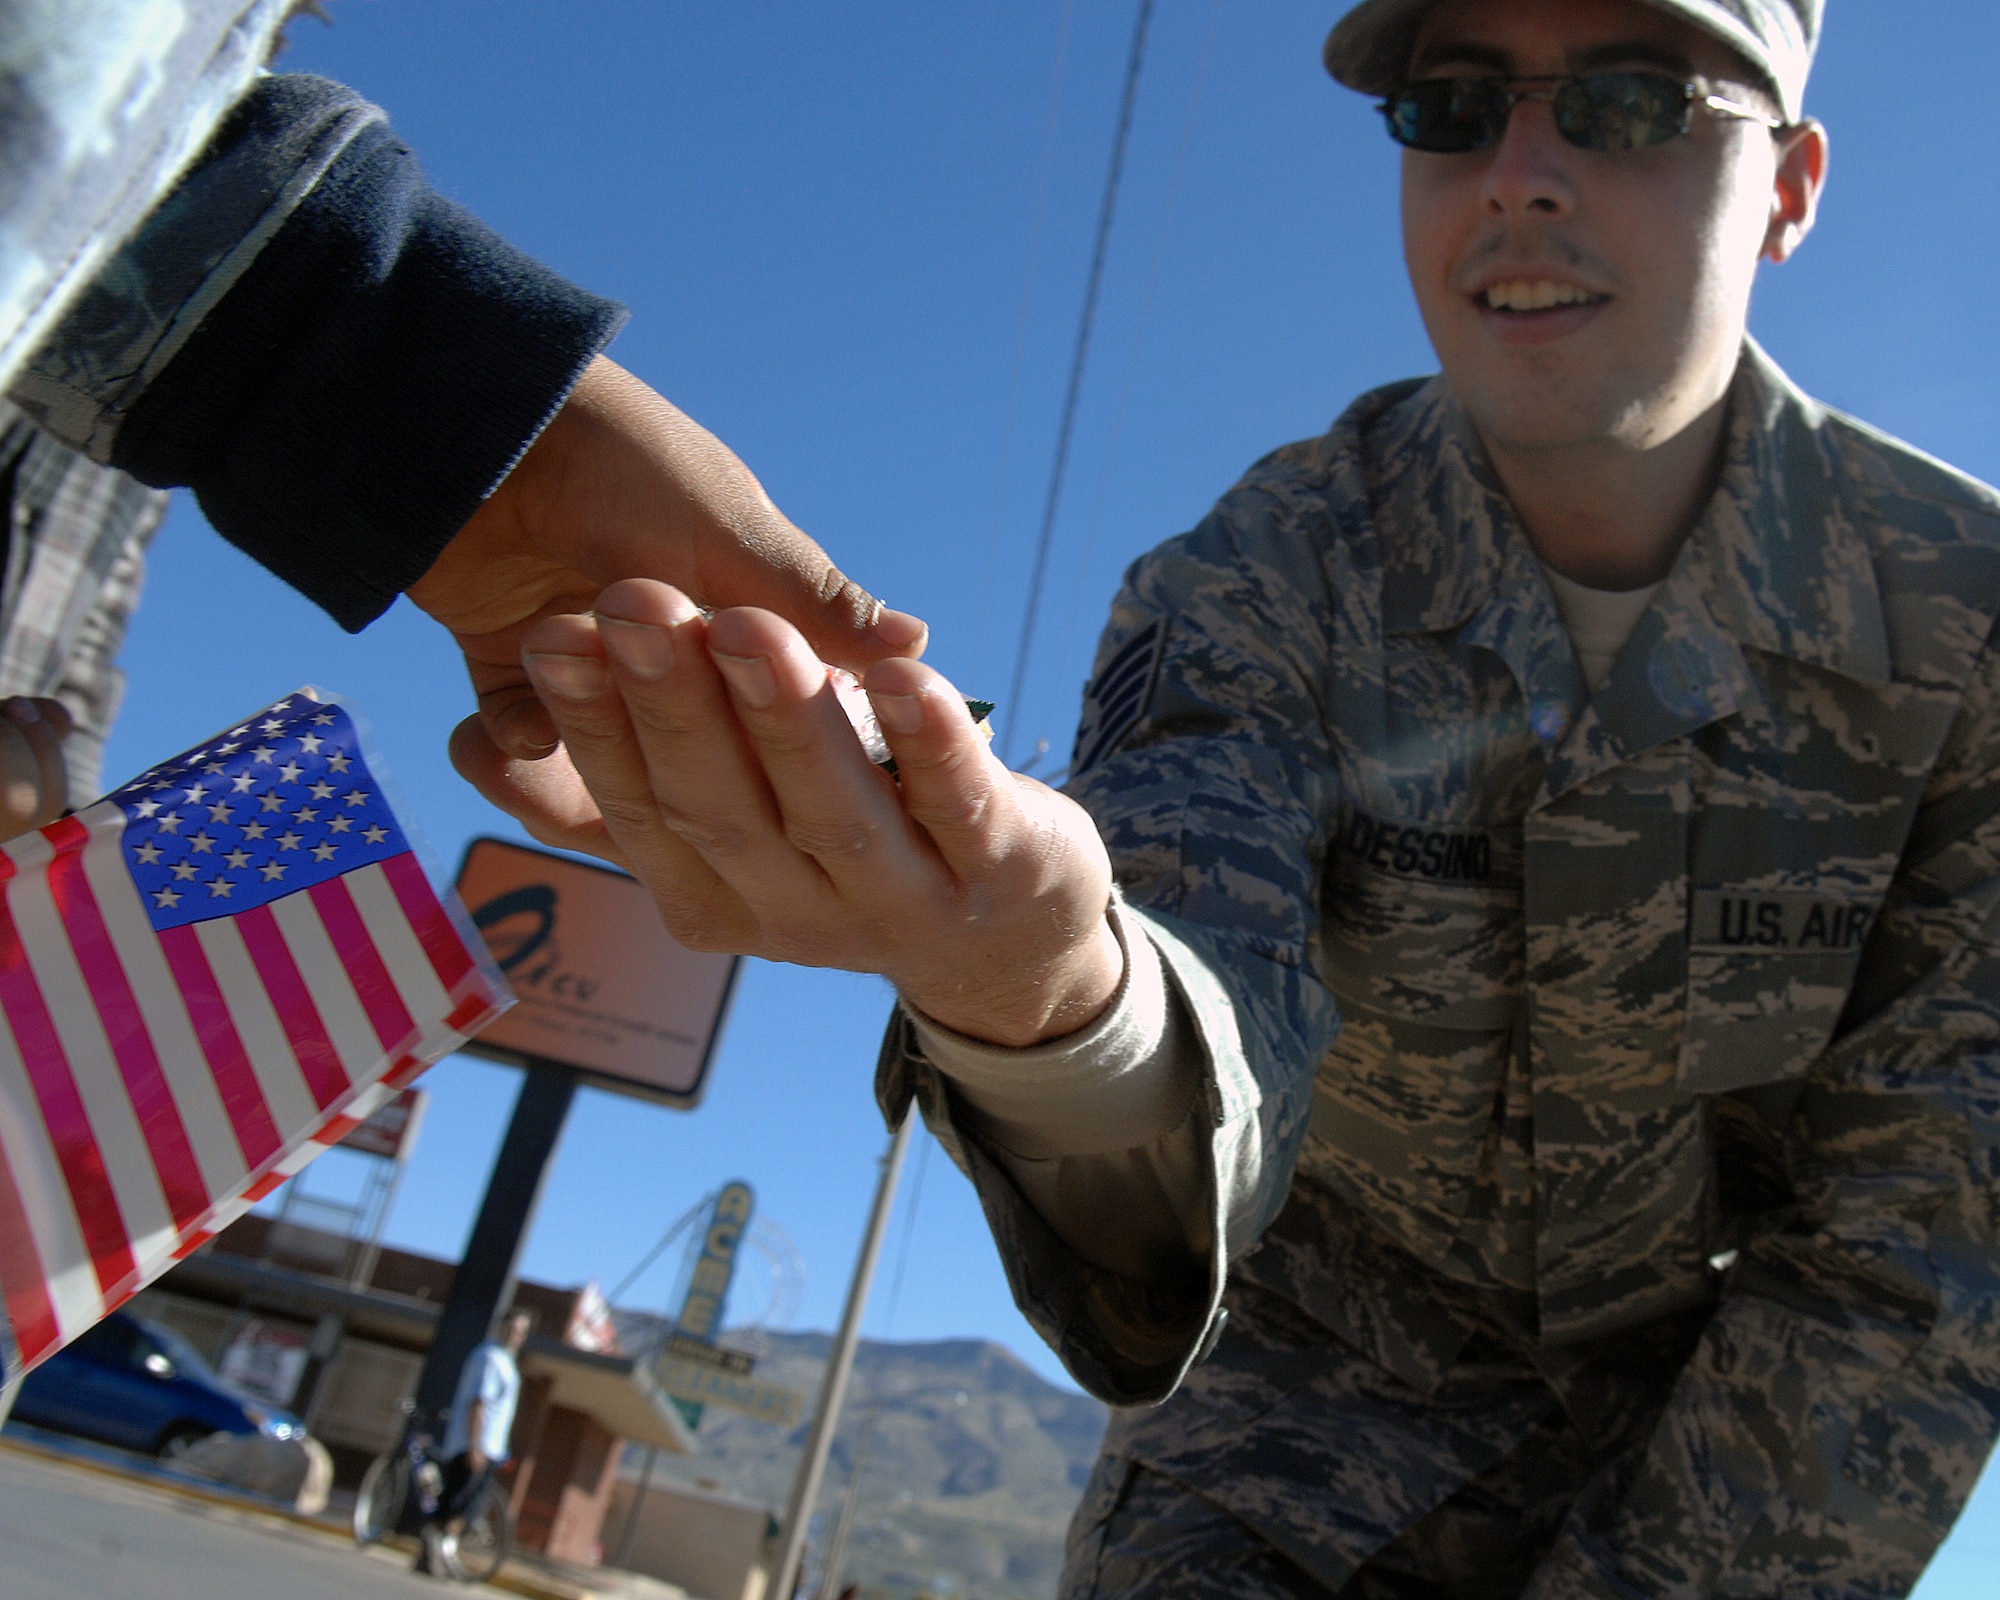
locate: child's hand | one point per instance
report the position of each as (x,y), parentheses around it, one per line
(34,784)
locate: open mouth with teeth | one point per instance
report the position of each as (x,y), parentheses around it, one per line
(1537,294)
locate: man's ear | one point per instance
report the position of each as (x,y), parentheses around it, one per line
(1795,191)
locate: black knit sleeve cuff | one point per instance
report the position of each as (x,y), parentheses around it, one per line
(367,380)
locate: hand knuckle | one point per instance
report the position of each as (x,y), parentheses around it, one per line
(628,813)
(710,836)
(831,839)
(813,947)
(665,719)
(697,933)
(781,743)
(956,810)
(699,921)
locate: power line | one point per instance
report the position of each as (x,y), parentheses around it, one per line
(1134,65)
(660,1249)
(1096,517)
(1052,122)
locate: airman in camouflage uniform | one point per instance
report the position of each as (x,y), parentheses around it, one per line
(1655,1160)
(1602,1090)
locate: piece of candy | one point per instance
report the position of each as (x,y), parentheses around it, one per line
(861,716)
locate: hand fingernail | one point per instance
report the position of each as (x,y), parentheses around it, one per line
(22,709)
(899,630)
(640,648)
(899,713)
(525,732)
(750,678)
(572,677)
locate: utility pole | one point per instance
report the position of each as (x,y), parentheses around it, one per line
(840,1365)
(484,1281)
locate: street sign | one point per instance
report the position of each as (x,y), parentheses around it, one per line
(739,1362)
(708,1284)
(697,1384)
(604,989)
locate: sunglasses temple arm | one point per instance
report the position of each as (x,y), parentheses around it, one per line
(1733,108)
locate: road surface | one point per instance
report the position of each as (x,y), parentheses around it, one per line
(70,1534)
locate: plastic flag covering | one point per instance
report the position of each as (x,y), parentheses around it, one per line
(206,979)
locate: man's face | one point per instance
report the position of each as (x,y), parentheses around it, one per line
(1651,252)
(516,1331)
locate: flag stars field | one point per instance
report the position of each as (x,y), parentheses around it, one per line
(326,828)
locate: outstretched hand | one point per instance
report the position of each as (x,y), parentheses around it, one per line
(712,759)
(34,779)
(622,485)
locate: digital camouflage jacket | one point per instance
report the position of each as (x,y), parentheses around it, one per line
(1681,996)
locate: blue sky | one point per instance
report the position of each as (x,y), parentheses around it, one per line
(853,240)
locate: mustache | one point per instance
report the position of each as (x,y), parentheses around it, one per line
(1546,250)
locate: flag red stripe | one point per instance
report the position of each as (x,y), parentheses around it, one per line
(363,963)
(61,1106)
(472,1013)
(404,1071)
(449,957)
(319,1062)
(228,1062)
(124,1026)
(22,1280)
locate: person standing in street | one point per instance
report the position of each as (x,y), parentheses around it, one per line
(476,1439)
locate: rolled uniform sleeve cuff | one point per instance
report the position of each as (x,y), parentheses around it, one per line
(1127,1339)
(1123,1081)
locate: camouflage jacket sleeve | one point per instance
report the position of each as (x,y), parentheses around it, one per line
(1204,759)
(1837,1412)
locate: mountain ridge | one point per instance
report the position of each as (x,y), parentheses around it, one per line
(973,1461)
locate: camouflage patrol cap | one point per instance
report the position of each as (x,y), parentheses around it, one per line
(1369,48)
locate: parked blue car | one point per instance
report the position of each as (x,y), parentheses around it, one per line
(133,1383)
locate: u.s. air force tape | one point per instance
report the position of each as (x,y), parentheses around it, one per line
(1753,922)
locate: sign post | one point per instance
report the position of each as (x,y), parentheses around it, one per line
(608,999)
(485,1277)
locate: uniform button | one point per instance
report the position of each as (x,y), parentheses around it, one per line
(1549,719)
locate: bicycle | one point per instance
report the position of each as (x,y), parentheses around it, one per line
(401,1490)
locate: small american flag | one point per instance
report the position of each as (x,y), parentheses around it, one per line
(206,978)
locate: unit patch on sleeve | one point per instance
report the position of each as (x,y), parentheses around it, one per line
(1117,696)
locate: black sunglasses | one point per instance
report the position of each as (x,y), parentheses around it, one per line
(1607,111)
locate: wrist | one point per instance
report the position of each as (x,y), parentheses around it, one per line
(1058,1000)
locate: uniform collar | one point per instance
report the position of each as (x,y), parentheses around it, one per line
(1778,561)
(1782,550)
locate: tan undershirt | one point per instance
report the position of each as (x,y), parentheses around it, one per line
(1097,1127)
(1599,621)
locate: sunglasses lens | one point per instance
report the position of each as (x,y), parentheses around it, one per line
(1447,114)
(1616,111)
